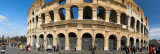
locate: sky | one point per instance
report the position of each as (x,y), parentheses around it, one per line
(13,16)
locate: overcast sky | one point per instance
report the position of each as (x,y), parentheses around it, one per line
(13,16)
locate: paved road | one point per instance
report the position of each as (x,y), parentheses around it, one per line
(11,50)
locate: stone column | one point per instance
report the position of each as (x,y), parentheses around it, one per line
(94,14)
(37,42)
(139,42)
(134,41)
(45,42)
(95,1)
(68,16)
(135,25)
(79,40)
(107,16)
(47,18)
(118,18)
(31,40)
(67,41)
(54,38)
(80,15)
(68,1)
(106,41)
(118,44)
(56,16)
(128,41)
(140,28)
(93,38)
(129,21)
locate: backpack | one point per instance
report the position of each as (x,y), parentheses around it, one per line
(129,49)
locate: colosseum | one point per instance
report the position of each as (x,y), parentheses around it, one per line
(79,24)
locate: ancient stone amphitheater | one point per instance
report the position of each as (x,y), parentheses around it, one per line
(79,24)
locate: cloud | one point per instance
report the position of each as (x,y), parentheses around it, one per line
(154,32)
(3,18)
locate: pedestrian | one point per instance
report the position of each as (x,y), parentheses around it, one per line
(132,49)
(127,49)
(151,50)
(21,47)
(135,50)
(3,48)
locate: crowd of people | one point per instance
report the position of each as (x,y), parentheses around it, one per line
(133,49)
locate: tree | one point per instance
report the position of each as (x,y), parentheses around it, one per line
(3,37)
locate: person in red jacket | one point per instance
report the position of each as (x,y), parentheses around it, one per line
(151,50)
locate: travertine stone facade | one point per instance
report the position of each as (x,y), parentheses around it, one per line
(105,24)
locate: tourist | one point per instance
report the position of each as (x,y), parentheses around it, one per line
(151,50)
(3,48)
(135,49)
(127,50)
(20,47)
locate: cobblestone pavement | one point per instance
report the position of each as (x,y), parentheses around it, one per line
(11,50)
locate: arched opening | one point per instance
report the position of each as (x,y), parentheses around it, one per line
(33,20)
(41,39)
(30,22)
(34,40)
(89,1)
(36,19)
(131,42)
(72,40)
(61,41)
(142,43)
(43,18)
(74,12)
(112,42)
(87,12)
(137,43)
(47,1)
(138,25)
(101,12)
(141,28)
(49,40)
(113,16)
(122,1)
(124,19)
(132,22)
(123,42)
(99,41)
(61,2)
(51,13)
(86,41)
(62,13)
(142,20)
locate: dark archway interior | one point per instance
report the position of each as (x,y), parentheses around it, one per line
(61,35)
(89,1)
(87,35)
(87,12)
(131,42)
(113,42)
(123,41)
(41,36)
(124,19)
(99,36)
(61,2)
(101,12)
(138,25)
(132,22)
(72,35)
(36,19)
(43,18)
(51,13)
(49,36)
(62,13)
(113,16)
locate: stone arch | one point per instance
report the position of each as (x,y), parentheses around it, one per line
(99,41)
(131,42)
(43,17)
(33,20)
(51,13)
(34,40)
(137,43)
(141,42)
(49,40)
(124,19)
(87,12)
(113,16)
(41,39)
(74,12)
(112,42)
(61,40)
(141,28)
(123,41)
(132,23)
(86,41)
(89,1)
(72,40)
(61,2)
(62,13)
(138,25)
(101,13)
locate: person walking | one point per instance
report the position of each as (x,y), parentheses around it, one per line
(21,47)
(151,50)
(135,50)
(3,48)
(127,50)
